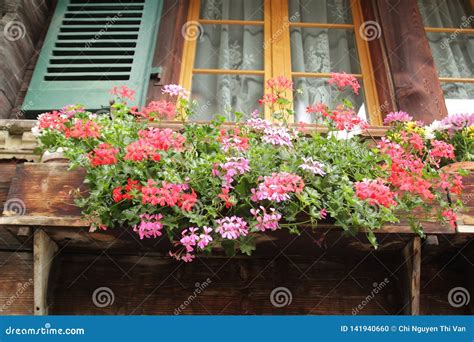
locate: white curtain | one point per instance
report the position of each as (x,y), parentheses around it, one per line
(321,51)
(233,47)
(453,53)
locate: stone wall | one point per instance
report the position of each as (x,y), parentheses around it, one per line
(23,25)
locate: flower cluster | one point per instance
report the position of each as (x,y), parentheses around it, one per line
(168,195)
(230,139)
(278,187)
(232,227)
(150,226)
(313,166)
(83,129)
(219,185)
(103,154)
(375,192)
(157,110)
(343,80)
(123,93)
(266,220)
(394,117)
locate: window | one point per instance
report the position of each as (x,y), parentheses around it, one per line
(233,47)
(448,25)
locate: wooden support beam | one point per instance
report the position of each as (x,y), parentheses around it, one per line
(44,250)
(411,277)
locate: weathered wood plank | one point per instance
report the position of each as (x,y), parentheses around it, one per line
(145,285)
(16,283)
(44,250)
(415,77)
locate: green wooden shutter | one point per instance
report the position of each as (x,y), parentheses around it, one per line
(91,46)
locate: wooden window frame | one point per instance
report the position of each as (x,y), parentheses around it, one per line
(277,57)
(456,30)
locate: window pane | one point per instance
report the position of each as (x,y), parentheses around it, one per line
(238,10)
(230,47)
(459,91)
(453,54)
(323,50)
(445,13)
(316,90)
(317,11)
(225,94)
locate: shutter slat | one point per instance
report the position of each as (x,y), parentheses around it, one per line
(91,46)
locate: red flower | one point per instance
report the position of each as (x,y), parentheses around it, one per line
(83,129)
(375,192)
(224,195)
(450,216)
(343,80)
(280,83)
(141,150)
(231,140)
(104,154)
(267,99)
(52,120)
(157,110)
(124,92)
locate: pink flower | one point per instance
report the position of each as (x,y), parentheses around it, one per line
(189,238)
(397,117)
(175,90)
(375,192)
(278,136)
(440,149)
(313,166)
(150,226)
(278,187)
(231,140)
(124,92)
(104,154)
(257,124)
(205,238)
(266,221)
(267,99)
(342,80)
(323,213)
(70,110)
(233,167)
(232,227)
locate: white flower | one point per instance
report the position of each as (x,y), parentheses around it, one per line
(436,126)
(36,131)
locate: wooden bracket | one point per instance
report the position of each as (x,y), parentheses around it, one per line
(44,250)
(411,279)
